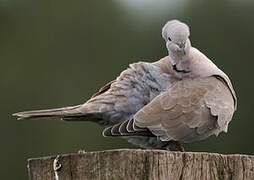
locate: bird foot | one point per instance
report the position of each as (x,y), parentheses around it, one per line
(174,146)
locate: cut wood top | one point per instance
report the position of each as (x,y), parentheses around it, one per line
(135,164)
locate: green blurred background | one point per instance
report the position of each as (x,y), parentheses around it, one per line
(58,53)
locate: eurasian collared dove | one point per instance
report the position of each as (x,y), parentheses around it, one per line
(183,97)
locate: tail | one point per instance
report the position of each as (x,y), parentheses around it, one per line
(65,113)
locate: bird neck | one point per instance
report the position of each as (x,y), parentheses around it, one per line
(179,57)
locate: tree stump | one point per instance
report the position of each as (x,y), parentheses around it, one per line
(133,164)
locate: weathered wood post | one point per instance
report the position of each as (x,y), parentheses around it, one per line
(132,164)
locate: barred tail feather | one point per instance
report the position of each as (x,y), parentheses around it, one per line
(126,128)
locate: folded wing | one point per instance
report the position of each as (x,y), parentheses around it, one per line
(191,110)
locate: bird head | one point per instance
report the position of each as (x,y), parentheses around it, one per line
(176,35)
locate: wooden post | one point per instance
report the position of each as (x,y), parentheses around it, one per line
(132,164)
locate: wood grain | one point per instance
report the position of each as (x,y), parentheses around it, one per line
(133,164)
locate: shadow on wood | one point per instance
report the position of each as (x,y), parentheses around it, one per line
(132,164)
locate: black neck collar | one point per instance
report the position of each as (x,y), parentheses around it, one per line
(180,71)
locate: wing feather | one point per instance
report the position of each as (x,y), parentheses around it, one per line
(191,110)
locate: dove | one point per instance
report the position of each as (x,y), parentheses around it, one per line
(181,98)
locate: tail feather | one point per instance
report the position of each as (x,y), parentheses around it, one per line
(122,129)
(65,112)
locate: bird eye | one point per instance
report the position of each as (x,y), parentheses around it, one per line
(169,38)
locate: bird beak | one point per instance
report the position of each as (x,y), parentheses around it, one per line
(182,48)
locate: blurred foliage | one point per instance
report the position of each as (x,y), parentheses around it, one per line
(57,53)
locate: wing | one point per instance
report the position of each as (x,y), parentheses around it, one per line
(191,110)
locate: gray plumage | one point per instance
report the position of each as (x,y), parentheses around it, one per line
(183,97)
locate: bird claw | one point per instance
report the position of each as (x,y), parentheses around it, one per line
(174,146)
